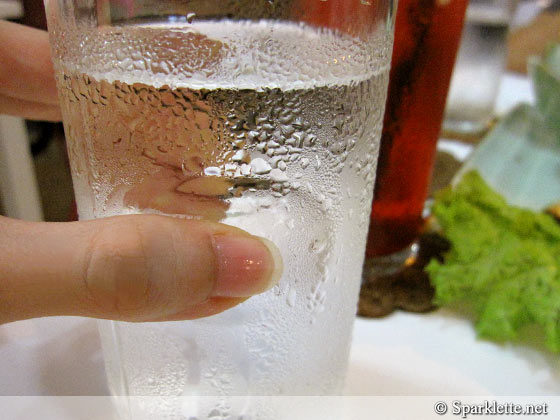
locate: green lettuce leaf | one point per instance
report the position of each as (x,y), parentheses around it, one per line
(504,263)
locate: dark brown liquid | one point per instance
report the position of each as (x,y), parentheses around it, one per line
(427,36)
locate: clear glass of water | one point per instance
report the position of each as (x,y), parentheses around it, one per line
(262,114)
(479,67)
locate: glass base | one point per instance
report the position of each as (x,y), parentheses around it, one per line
(466,131)
(386,265)
(399,281)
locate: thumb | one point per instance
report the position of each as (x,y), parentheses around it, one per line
(132,268)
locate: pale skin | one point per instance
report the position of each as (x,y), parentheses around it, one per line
(134,268)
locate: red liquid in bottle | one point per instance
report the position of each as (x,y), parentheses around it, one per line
(427,36)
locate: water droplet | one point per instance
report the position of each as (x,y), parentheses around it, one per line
(310,140)
(317,163)
(241,156)
(213,171)
(245,170)
(281,150)
(276,175)
(291,298)
(272,144)
(260,166)
(230,167)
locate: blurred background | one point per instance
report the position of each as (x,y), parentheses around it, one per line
(35,182)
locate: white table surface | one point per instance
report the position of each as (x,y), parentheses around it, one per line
(404,354)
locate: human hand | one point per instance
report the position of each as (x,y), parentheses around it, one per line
(132,268)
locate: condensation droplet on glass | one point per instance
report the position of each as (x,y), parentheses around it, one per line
(276,175)
(230,167)
(272,144)
(245,170)
(317,163)
(212,171)
(260,166)
(291,224)
(291,298)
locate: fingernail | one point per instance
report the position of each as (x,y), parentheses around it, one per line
(247,265)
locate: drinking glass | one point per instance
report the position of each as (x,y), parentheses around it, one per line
(427,35)
(480,62)
(261,114)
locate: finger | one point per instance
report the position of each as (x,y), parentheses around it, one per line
(211,307)
(26,69)
(169,192)
(133,268)
(29,110)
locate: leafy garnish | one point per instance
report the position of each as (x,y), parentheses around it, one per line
(504,263)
